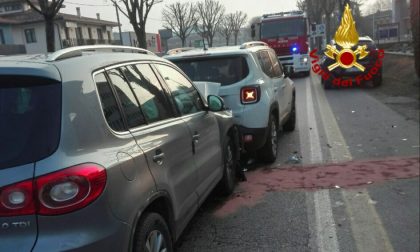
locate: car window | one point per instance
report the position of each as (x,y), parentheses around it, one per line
(265,62)
(149,92)
(277,70)
(30,116)
(109,104)
(223,70)
(186,97)
(127,99)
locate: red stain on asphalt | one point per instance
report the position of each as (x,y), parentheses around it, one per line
(342,175)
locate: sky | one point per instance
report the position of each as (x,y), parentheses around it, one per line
(89,8)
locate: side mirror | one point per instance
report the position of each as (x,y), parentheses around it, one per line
(286,72)
(215,103)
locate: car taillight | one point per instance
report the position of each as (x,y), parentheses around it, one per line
(17,199)
(56,193)
(250,95)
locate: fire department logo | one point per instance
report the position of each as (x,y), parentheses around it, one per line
(347,37)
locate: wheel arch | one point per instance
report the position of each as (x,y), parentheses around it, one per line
(161,204)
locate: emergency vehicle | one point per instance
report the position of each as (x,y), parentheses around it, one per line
(288,34)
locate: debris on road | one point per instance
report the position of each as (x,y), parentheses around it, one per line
(295,158)
(329,146)
(394,126)
(404,139)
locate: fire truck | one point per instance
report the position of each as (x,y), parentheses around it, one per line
(288,34)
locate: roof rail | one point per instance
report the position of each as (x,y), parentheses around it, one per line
(252,44)
(282,14)
(179,50)
(78,50)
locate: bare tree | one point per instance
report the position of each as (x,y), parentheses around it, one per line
(48,9)
(239,18)
(137,12)
(313,8)
(180,18)
(210,13)
(328,7)
(225,28)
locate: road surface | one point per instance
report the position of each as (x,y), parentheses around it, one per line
(356,189)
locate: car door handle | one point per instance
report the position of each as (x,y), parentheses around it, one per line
(196,137)
(159,157)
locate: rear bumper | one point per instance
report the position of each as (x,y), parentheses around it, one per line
(93,228)
(259,136)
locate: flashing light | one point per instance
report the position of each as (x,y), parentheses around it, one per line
(294,49)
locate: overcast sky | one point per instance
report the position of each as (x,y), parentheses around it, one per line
(89,8)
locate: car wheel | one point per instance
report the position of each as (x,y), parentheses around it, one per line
(227,184)
(291,121)
(268,153)
(326,83)
(152,235)
(377,81)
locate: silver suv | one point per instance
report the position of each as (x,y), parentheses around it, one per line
(253,85)
(106,148)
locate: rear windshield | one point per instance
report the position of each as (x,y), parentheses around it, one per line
(224,70)
(30,110)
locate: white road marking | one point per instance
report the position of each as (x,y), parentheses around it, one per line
(367,228)
(325,226)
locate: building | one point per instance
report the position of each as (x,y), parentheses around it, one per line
(369,24)
(401,16)
(22,26)
(129,38)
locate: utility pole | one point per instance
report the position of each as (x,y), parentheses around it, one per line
(119,24)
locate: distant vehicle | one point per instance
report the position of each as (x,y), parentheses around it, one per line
(106,148)
(288,34)
(353,72)
(253,85)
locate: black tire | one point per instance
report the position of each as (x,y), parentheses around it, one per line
(151,226)
(377,81)
(326,83)
(227,184)
(268,153)
(291,121)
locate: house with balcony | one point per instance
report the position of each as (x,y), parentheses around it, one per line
(20,25)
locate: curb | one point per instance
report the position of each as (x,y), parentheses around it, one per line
(399,53)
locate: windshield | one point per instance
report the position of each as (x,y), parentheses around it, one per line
(223,70)
(29,119)
(283,28)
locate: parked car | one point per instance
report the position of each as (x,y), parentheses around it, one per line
(106,148)
(253,85)
(351,73)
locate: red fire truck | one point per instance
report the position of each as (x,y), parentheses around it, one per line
(288,34)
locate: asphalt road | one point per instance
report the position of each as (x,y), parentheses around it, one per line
(356,189)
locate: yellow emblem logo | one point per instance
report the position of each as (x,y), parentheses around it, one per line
(347,37)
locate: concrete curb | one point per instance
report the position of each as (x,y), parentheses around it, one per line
(399,53)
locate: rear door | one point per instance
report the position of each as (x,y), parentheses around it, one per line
(30,110)
(163,138)
(202,125)
(285,95)
(275,82)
